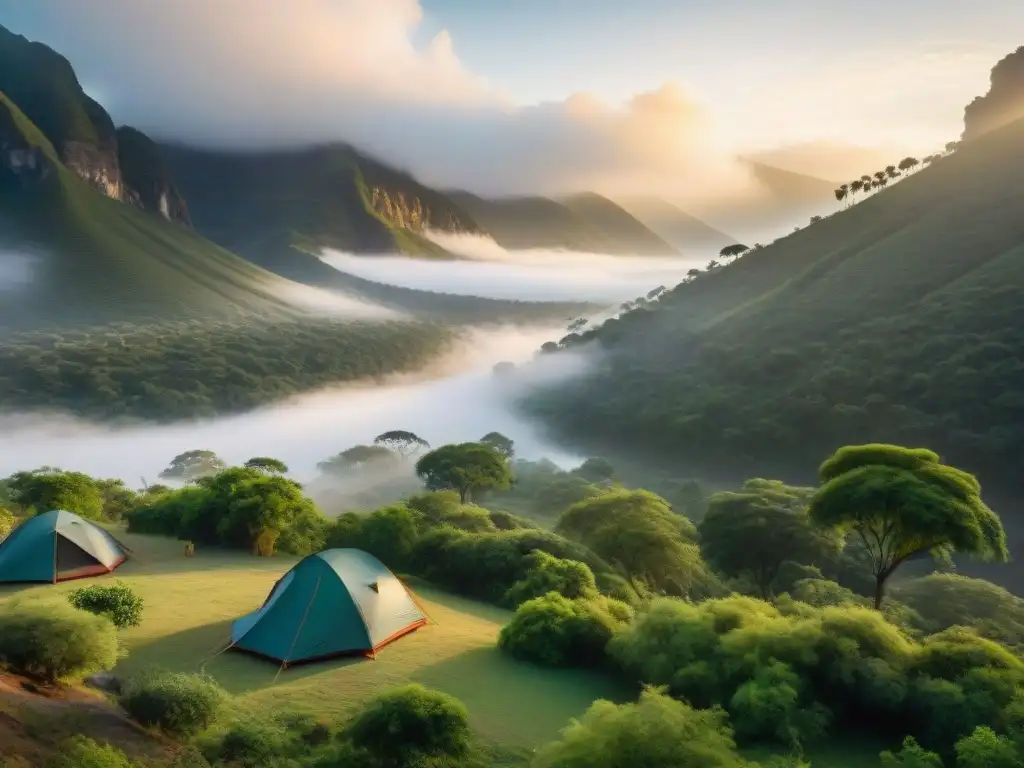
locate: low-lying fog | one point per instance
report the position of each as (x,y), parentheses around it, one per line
(460,406)
(15,271)
(490,271)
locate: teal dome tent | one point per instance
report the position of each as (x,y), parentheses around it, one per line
(58,546)
(341,601)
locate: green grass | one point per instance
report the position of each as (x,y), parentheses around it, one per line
(191,602)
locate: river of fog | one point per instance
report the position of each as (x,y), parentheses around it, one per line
(463,403)
(486,269)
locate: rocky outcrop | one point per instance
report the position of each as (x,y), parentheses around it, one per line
(1004,101)
(146,182)
(409,212)
(96,165)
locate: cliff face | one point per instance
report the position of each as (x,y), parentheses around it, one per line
(1004,101)
(146,181)
(409,212)
(22,164)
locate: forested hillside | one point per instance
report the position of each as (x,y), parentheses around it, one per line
(898,319)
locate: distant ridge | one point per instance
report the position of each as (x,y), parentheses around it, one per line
(686,233)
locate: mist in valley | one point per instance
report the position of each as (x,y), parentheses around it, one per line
(459,399)
(16,272)
(487,270)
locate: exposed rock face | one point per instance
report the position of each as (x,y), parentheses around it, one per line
(146,180)
(410,212)
(97,165)
(1004,101)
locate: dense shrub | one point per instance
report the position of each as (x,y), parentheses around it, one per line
(910,755)
(403,726)
(179,704)
(986,749)
(118,603)
(546,573)
(785,676)
(655,732)
(506,521)
(83,752)
(240,507)
(52,640)
(7,523)
(555,631)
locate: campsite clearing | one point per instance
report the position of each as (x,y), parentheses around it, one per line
(190,603)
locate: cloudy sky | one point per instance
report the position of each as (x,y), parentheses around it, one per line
(543,95)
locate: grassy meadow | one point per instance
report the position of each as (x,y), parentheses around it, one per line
(191,602)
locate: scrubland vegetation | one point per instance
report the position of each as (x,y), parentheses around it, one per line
(168,372)
(768,625)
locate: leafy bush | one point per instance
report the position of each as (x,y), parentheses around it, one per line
(655,732)
(82,752)
(911,755)
(986,749)
(555,631)
(7,523)
(179,704)
(52,640)
(403,726)
(118,603)
(546,573)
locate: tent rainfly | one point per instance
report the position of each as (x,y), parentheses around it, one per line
(333,603)
(58,546)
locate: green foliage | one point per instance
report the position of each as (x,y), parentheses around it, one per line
(595,469)
(390,534)
(943,600)
(406,725)
(51,640)
(7,522)
(561,492)
(118,603)
(356,457)
(986,749)
(910,755)
(180,704)
(655,732)
(638,531)
(559,632)
(503,445)
(184,370)
(902,502)
(83,752)
(280,740)
(190,466)
(240,507)
(267,464)
(546,573)
(890,321)
(749,534)
(465,468)
(47,489)
(439,507)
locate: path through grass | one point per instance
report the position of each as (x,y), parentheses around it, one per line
(191,602)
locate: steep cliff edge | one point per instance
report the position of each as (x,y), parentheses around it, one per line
(146,181)
(1004,102)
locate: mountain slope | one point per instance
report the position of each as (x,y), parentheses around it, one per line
(533,222)
(261,204)
(92,258)
(896,320)
(687,233)
(616,225)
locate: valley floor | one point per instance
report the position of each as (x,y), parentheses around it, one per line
(191,602)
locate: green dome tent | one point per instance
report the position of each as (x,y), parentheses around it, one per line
(341,601)
(58,546)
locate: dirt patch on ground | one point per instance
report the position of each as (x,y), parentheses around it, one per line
(35,720)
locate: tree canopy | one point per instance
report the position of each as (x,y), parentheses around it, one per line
(191,465)
(47,489)
(500,443)
(747,534)
(901,502)
(401,442)
(464,467)
(595,469)
(267,464)
(355,457)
